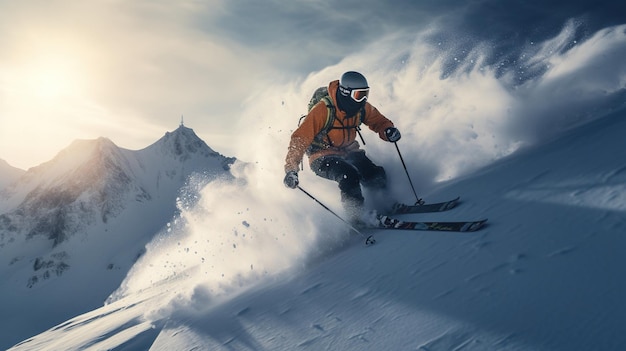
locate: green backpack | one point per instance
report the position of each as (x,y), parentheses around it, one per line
(321,140)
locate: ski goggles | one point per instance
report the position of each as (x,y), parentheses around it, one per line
(357,95)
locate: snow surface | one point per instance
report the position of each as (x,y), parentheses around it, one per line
(250,265)
(545,274)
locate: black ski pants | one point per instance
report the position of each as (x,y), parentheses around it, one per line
(350,172)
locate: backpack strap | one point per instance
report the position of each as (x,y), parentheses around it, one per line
(330,116)
(319,142)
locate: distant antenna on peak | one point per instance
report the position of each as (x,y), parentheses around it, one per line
(182,121)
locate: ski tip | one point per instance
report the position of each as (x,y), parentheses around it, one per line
(452,204)
(481,224)
(474,226)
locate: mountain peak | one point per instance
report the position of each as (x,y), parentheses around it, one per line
(182,143)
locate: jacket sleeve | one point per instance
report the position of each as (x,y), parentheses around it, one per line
(376,121)
(303,136)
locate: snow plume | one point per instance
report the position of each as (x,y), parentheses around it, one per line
(459,116)
(583,80)
(230,235)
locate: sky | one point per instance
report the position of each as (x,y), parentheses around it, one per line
(131,70)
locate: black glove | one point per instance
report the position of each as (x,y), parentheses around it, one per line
(291,179)
(392,134)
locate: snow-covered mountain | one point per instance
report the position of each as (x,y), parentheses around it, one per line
(545,274)
(88,214)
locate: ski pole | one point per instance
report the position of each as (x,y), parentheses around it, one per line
(369,240)
(419,201)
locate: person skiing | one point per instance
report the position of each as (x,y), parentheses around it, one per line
(333,152)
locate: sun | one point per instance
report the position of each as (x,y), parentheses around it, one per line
(52,78)
(51,83)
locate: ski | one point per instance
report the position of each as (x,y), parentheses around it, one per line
(462,226)
(425,208)
(395,224)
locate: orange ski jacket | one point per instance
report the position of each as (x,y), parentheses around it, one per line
(342,139)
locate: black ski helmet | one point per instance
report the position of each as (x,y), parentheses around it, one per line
(353,80)
(352,92)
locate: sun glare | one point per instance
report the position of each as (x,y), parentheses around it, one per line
(45,101)
(50,83)
(51,79)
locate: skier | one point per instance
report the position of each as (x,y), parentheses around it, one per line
(333,152)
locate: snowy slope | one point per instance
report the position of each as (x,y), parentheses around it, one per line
(546,274)
(71,228)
